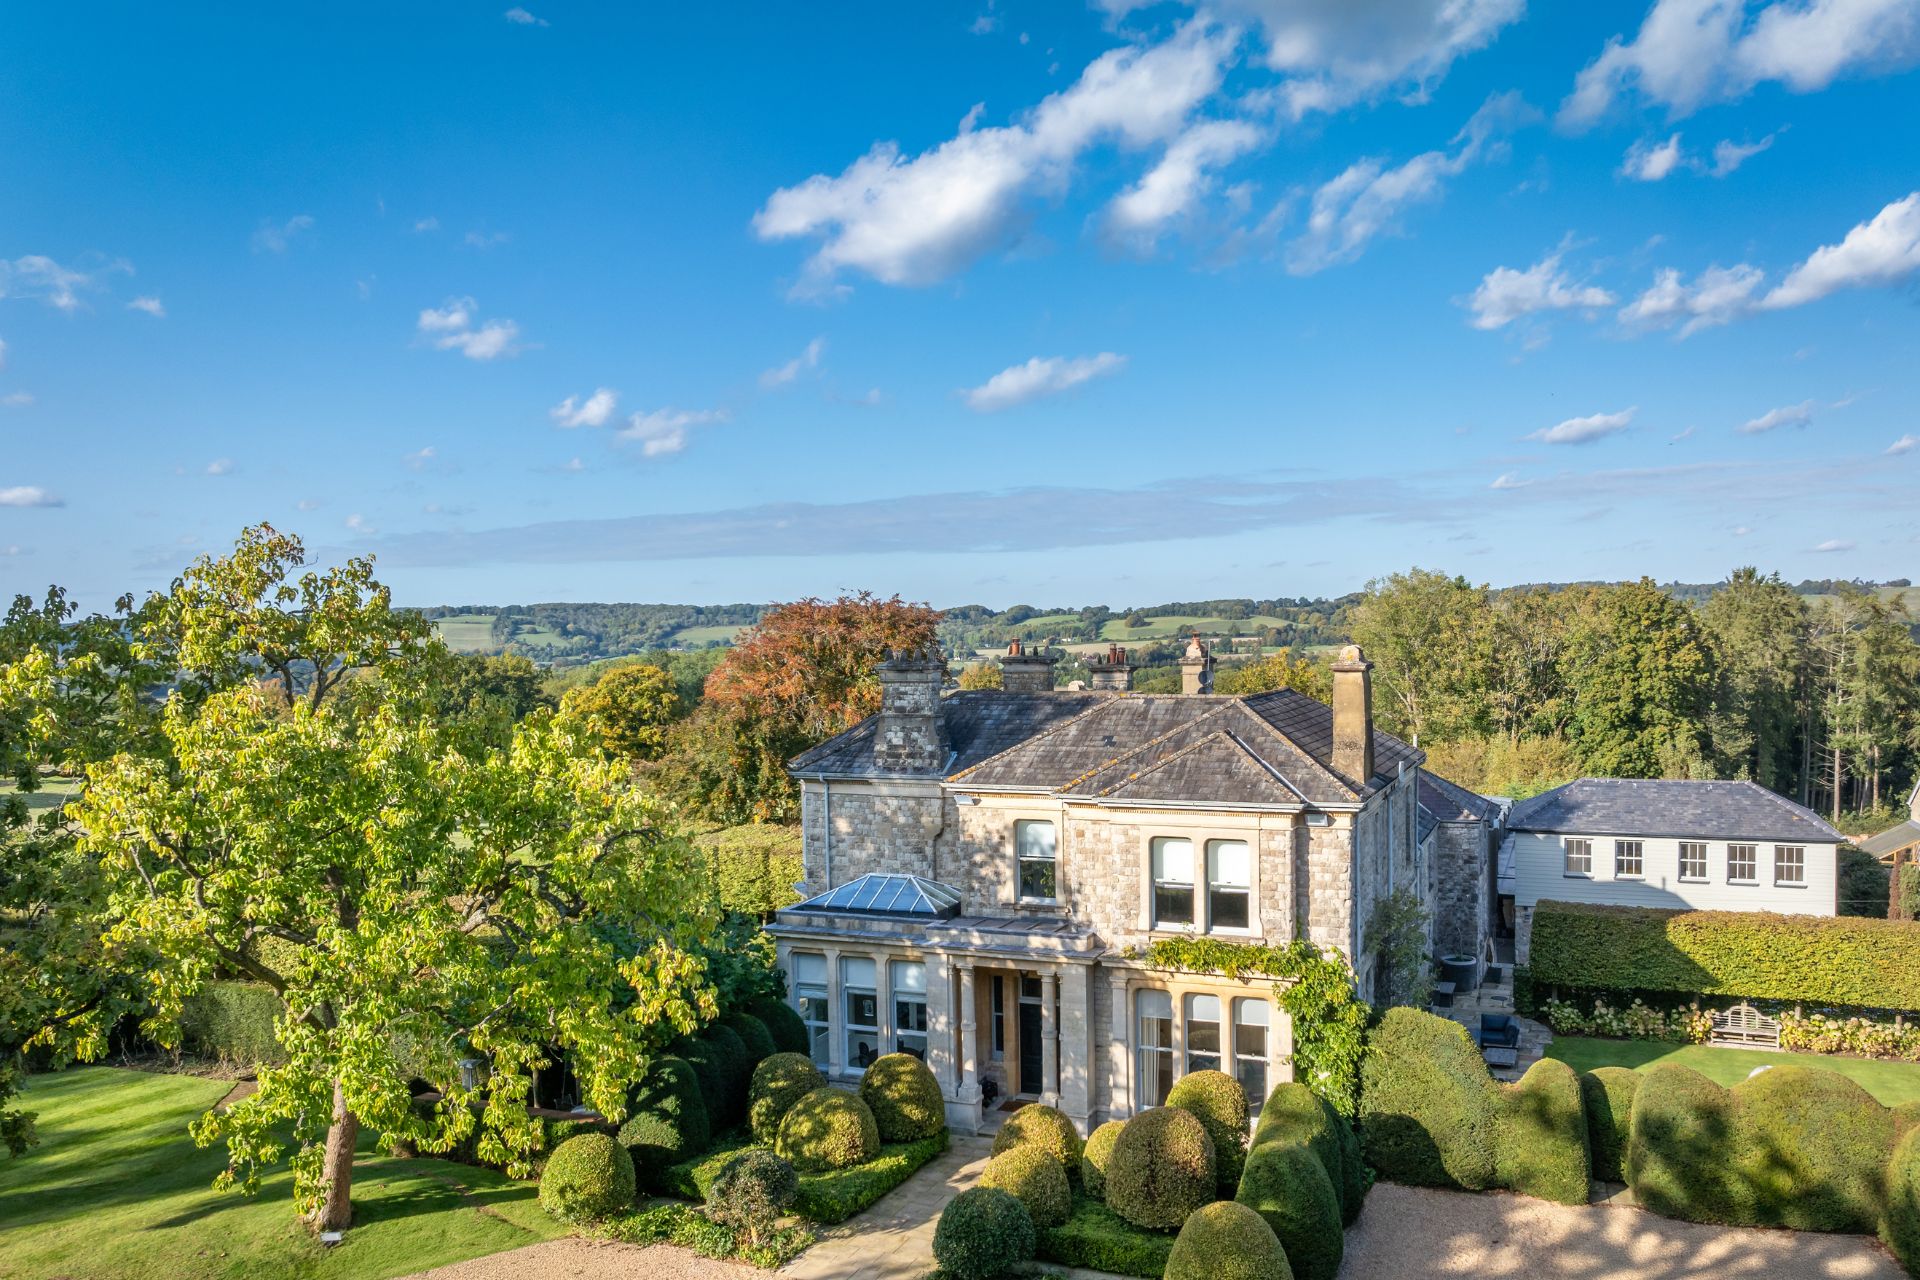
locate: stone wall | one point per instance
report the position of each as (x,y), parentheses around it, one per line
(891,827)
(1461,906)
(1522,934)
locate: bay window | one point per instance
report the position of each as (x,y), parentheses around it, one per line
(810,998)
(1250,1019)
(1203,1033)
(1153,1011)
(860,998)
(910,1007)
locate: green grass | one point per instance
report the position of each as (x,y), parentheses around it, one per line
(695,637)
(52,793)
(1160,628)
(116,1189)
(1891,1082)
(467,632)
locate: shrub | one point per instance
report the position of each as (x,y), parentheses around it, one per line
(1679,1146)
(1426,1103)
(1296,1115)
(834,1195)
(1228,1241)
(1540,1129)
(233,1022)
(1900,1223)
(1044,1127)
(778,1083)
(667,1120)
(1095,1156)
(1217,1101)
(755,867)
(587,1178)
(719,1062)
(1035,1179)
(754,1037)
(1095,1237)
(751,1193)
(827,1129)
(1287,1185)
(904,1097)
(1906,1118)
(1162,1168)
(983,1233)
(782,1023)
(1606,1094)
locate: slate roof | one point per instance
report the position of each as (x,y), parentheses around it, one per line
(1893,839)
(1451,802)
(1268,749)
(1670,807)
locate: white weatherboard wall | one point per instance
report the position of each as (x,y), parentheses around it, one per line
(1539,863)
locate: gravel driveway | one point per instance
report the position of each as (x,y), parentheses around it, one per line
(575,1259)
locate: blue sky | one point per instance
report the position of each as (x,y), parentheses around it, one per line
(998,302)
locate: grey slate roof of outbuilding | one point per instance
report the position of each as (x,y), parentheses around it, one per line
(1670,807)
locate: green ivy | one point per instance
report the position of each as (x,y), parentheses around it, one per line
(1315,987)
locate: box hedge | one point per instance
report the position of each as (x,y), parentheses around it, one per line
(588,1177)
(983,1233)
(666,1120)
(1297,1115)
(1217,1101)
(1540,1135)
(233,1022)
(1900,1222)
(1045,1127)
(754,1037)
(1829,960)
(782,1023)
(1607,1093)
(778,1083)
(827,1129)
(826,1196)
(1095,1237)
(719,1061)
(1035,1179)
(1095,1156)
(1427,1104)
(1162,1169)
(1228,1241)
(904,1097)
(1287,1185)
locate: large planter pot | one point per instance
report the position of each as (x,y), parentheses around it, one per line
(1462,971)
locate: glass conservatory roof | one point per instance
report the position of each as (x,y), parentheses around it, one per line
(878,893)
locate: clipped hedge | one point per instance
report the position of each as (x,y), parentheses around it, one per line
(666,1120)
(1217,1101)
(1540,1135)
(1095,1156)
(588,1177)
(1162,1169)
(778,1083)
(754,1037)
(1035,1179)
(1228,1241)
(827,1129)
(783,1023)
(1296,1115)
(1607,1093)
(1900,1223)
(1678,1147)
(1286,1184)
(1044,1127)
(1095,1237)
(826,1196)
(1427,1104)
(904,1098)
(1831,960)
(755,867)
(233,1022)
(983,1233)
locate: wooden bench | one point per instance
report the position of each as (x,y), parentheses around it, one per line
(1745,1026)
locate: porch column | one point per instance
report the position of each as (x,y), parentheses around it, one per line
(969,1040)
(1078,1066)
(836,1016)
(1049,1039)
(940,1024)
(1119,1059)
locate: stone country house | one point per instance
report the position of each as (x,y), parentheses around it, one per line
(986,868)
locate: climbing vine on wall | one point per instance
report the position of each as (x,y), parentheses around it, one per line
(1315,987)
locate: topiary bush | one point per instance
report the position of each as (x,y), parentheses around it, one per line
(1218,1102)
(1355,1178)
(904,1098)
(588,1177)
(1095,1156)
(783,1024)
(983,1233)
(1296,1115)
(1045,1127)
(778,1083)
(1900,1221)
(723,1075)
(1427,1103)
(754,1037)
(1679,1148)
(1035,1179)
(754,1188)
(1540,1135)
(1228,1241)
(1287,1185)
(666,1121)
(1606,1094)
(1162,1169)
(827,1129)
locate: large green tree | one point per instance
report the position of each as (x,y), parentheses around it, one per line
(1758,629)
(628,709)
(1415,627)
(1639,675)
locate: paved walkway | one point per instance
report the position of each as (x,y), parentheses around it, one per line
(894,1239)
(1497,997)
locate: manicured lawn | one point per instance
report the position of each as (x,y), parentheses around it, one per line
(116,1189)
(1891,1082)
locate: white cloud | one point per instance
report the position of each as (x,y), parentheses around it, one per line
(274,237)
(425,225)
(1366,199)
(573,465)
(308,504)
(457,313)
(1905,444)
(1729,155)
(1692,52)
(484,239)
(1792,415)
(665,431)
(28,495)
(16,399)
(1506,295)
(421,458)
(358,523)
(1740,531)
(220,467)
(1040,377)
(1716,296)
(149,304)
(781,375)
(1181,178)
(1832,545)
(450,328)
(1650,161)
(591,412)
(985,24)
(38,276)
(1879,252)
(915,220)
(1508,480)
(1585,430)
(521,18)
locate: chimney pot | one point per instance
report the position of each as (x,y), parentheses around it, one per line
(1196,668)
(1113,672)
(1023,672)
(1353,715)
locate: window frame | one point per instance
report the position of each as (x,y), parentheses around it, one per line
(1639,871)
(850,1030)
(1567,844)
(1242,1062)
(904,999)
(1244,891)
(819,1033)
(1153,1061)
(1156,884)
(1021,859)
(1779,851)
(1202,1059)
(1705,869)
(1752,861)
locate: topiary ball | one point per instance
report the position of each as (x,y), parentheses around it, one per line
(1035,1179)
(751,1191)
(904,1098)
(1095,1156)
(1900,1223)
(827,1129)
(778,1083)
(726,1087)
(1227,1241)
(1044,1127)
(754,1036)
(1162,1169)
(983,1233)
(1606,1095)
(1286,1184)
(1815,1147)
(782,1023)
(588,1177)
(1218,1102)
(667,1120)
(1296,1115)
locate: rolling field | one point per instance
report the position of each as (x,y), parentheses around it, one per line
(466,632)
(697,637)
(1174,624)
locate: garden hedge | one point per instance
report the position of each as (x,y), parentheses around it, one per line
(782,1023)
(1097,1238)
(1287,1185)
(1607,1093)
(1095,1156)
(1228,1241)
(1830,960)
(719,1061)
(1296,1115)
(1218,1102)
(828,1129)
(754,1037)
(755,867)
(1427,1104)
(233,1022)
(1540,1135)
(1162,1169)
(1035,1179)
(778,1083)
(904,1098)
(983,1233)
(666,1120)
(1045,1127)
(826,1196)
(588,1177)
(1900,1223)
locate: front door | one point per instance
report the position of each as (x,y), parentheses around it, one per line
(1030,1082)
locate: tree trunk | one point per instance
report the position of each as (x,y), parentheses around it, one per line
(1836,785)
(335,1211)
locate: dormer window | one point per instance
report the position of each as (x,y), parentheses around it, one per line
(1035,850)
(1172,883)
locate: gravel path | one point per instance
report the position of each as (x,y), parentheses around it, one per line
(576,1259)
(1410,1233)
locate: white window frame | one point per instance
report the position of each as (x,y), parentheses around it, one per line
(1154,862)
(1753,864)
(1150,1056)
(850,1030)
(1244,890)
(1687,877)
(1243,1062)
(1568,845)
(814,995)
(1639,848)
(1199,1059)
(1021,858)
(907,998)
(1800,858)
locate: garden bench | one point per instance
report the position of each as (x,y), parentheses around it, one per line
(1746,1026)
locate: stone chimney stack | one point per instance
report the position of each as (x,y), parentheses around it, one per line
(912,734)
(1353,715)
(1196,668)
(1023,672)
(1112,672)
